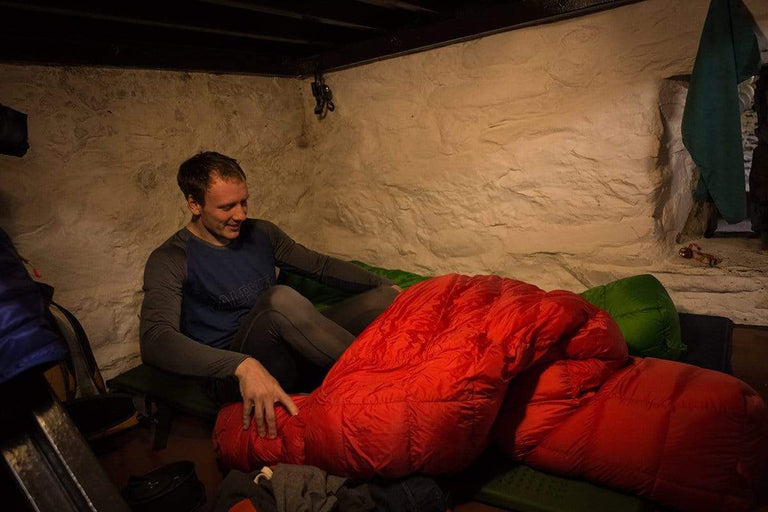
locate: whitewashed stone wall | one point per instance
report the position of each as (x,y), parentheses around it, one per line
(538,154)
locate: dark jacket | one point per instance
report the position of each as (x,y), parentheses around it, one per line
(26,337)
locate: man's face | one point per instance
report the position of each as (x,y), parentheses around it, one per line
(225,209)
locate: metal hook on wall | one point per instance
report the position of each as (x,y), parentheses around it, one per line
(323,96)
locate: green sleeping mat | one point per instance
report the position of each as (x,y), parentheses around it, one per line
(322,295)
(525,489)
(184,394)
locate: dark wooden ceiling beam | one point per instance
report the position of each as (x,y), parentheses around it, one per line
(52,28)
(347,13)
(405,6)
(266,37)
(476,22)
(26,50)
(184,15)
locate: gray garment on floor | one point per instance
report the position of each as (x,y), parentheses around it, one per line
(309,489)
(296,488)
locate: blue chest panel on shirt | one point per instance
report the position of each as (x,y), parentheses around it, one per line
(223,284)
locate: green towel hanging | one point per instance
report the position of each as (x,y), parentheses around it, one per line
(728,54)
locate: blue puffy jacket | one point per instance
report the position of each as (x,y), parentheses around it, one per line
(26,337)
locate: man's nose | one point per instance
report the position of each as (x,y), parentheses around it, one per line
(241,212)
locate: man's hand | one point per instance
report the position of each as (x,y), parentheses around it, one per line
(260,392)
(396,288)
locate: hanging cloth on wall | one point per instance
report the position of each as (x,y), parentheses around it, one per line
(728,54)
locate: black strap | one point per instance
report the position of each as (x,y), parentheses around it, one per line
(84,345)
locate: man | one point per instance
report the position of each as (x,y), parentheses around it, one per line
(212,309)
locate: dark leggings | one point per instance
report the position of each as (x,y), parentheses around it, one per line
(295,342)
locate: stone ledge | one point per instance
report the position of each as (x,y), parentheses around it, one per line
(736,288)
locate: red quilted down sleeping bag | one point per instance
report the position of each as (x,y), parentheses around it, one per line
(420,390)
(690,438)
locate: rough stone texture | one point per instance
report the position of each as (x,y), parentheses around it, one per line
(97,190)
(538,154)
(679,176)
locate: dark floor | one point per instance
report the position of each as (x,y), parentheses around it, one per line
(131,453)
(750,357)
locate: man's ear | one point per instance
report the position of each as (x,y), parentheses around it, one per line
(194,207)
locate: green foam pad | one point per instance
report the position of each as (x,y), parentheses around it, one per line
(322,295)
(186,394)
(525,489)
(401,278)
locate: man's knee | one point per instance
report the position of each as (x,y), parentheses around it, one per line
(381,297)
(283,299)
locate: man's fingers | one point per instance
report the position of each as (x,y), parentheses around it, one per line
(263,411)
(247,408)
(259,414)
(269,412)
(287,402)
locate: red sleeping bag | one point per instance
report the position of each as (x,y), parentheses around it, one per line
(689,438)
(420,389)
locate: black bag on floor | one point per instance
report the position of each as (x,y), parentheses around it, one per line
(170,488)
